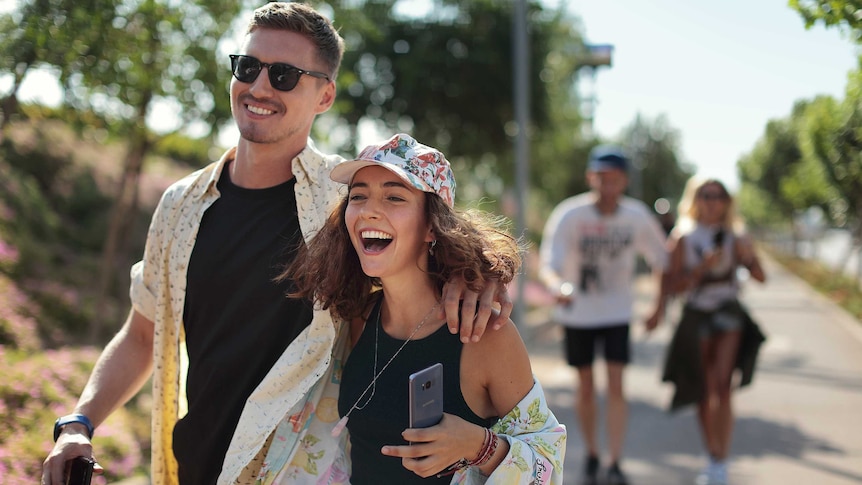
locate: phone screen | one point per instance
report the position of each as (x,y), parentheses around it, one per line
(426,396)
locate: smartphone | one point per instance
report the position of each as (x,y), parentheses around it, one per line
(426,396)
(718,239)
(81,471)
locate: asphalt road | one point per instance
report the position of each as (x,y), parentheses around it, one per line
(800,422)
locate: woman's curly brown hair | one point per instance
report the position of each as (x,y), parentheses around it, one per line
(471,244)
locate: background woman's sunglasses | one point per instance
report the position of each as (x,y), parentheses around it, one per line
(713,196)
(282,76)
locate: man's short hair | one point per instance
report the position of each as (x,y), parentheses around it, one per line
(304,20)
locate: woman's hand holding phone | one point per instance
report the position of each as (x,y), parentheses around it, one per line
(433,449)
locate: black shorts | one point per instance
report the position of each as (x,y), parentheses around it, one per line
(581,344)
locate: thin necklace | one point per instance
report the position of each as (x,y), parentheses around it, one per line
(336,431)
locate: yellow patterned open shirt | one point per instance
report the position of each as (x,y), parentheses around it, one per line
(158,292)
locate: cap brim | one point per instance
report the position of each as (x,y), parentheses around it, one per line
(344,172)
(602,166)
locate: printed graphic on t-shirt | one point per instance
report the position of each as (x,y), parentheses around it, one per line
(601,246)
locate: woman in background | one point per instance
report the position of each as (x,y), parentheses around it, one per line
(707,247)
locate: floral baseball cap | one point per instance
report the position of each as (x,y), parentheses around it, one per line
(421,166)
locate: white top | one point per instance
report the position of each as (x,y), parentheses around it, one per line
(719,284)
(598,255)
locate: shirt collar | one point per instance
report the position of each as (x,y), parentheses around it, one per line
(212,180)
(306,161)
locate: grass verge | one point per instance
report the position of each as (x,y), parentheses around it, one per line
(841,289)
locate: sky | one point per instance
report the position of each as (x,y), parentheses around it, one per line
(717,70)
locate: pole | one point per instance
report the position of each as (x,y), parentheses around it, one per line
(522,113)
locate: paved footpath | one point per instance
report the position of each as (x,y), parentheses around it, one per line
(800,422)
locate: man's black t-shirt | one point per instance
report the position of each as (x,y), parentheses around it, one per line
(237,320)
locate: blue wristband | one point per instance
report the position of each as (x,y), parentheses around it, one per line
(72,418)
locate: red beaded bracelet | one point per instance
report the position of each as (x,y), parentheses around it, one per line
(489,447)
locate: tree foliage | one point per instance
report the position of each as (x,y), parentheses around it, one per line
(658,171)
(448,79)
(833,136)
(55,33)
(116,58)
(781,177)
(810,158)
(845,14)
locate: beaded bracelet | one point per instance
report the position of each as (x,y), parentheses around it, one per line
(489,447)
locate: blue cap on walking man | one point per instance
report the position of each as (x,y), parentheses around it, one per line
(607,157)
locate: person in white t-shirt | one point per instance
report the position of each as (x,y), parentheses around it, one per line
(588,260)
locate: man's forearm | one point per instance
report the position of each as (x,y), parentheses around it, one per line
(122,369)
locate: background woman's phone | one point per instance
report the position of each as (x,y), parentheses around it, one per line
(426,396)
(81,471)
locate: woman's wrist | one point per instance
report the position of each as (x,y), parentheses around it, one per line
(489,446)
(482,456)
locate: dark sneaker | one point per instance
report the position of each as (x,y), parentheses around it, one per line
(591,471)
(616,475)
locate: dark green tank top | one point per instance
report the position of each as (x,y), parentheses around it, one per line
(381,421)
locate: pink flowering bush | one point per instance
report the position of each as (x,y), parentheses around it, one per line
(8,254)
(17,329)
(35,389)
(53,213)
(37,386)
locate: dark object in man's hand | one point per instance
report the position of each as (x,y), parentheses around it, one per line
(81,471)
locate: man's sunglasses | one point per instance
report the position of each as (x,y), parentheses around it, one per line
(283,77)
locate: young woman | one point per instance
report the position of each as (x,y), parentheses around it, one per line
(380,262)
(708,246)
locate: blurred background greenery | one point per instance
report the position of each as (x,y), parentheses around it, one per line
(78,181)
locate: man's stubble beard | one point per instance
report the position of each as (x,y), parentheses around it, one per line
(255,134)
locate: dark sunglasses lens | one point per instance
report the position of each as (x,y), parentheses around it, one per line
(283,76)
(246,69)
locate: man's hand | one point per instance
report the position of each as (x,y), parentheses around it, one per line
(565,294)
(477,311)
(72,443)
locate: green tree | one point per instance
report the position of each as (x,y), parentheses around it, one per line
(447,78)
(779,182)
(840,13)
(55,33)
(116,59)
(657,170)
(767,166)
(833,136)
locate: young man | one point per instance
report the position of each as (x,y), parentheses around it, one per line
(222,342)
(589,253)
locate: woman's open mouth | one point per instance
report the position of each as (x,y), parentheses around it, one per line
(375,241)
